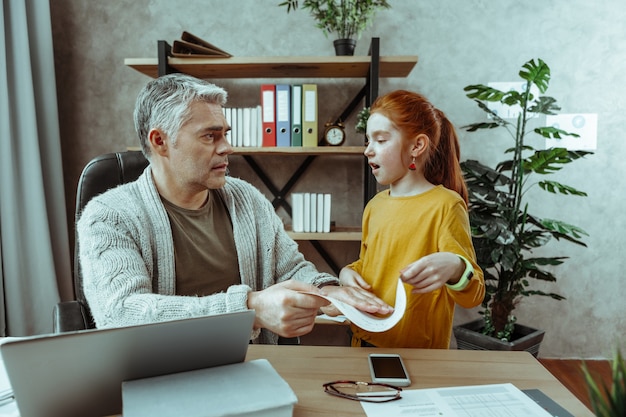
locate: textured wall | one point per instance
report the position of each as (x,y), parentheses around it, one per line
(458,43)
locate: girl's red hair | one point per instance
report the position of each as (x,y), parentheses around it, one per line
(413,114)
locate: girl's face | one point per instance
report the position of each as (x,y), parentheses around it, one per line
(387,153)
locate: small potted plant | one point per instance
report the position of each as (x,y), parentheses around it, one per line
(504,230)
(345,18)
(608,401)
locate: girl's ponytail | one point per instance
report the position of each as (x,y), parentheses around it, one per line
(443,166)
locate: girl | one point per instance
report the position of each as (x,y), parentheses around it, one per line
(419,227)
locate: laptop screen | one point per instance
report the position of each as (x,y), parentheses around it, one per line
(81,373)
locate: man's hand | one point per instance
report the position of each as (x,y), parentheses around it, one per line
(285,311)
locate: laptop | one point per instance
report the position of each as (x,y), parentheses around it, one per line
(81,373)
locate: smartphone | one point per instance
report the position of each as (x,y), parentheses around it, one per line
(388,368)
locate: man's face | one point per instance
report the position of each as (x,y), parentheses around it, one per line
(199,156)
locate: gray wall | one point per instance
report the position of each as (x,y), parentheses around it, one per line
(458,43)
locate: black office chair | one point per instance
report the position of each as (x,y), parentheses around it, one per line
(100,174)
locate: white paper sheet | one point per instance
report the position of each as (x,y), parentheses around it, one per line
(8,407)
(477,400)
(370,322)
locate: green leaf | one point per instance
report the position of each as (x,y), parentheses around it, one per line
(513,97)
(556,187)
(291,5)
(551,132)
(484,92)
(544,105)
(537,73)
(564,228)
(550,160)
(608,401)
(476,126)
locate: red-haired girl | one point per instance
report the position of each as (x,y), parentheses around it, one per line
(418,228)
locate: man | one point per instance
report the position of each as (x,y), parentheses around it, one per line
(184,240)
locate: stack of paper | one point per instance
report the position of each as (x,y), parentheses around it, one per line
(476,400)
(247,389)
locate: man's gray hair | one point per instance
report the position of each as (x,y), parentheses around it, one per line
(164,103)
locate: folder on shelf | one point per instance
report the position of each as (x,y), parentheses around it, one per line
(326,224)
(259,127)
(309,114)
(247,136)
(283,115)
(192,46)
(306,212)
(253,127)
(226,112)
(320,213)
(240,127)
(268,114)
(297,202)
(296,115)
(313,212)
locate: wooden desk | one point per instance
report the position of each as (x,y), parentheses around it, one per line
(306,368)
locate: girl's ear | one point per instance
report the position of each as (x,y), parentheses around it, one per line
(420,145)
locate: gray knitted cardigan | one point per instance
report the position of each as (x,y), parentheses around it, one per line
(127,256)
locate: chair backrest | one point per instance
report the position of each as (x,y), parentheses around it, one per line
(99,175)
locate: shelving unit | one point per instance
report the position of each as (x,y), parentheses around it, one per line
(278,66)
(371,68)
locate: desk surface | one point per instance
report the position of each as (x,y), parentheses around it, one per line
(306,368)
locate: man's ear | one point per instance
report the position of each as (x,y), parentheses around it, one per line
(158,142)
(420,145)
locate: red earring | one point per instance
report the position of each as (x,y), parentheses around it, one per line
(412,167)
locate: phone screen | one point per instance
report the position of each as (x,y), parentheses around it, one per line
(387,367)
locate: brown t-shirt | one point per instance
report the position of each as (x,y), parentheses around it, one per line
(204,247)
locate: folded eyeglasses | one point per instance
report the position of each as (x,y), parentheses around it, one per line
(372,392)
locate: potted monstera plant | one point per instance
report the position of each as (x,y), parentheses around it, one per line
(346,19)
(505,231)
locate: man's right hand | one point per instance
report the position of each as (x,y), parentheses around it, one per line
(285,311)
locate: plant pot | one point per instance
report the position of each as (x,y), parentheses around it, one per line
(344,46)
(469,337)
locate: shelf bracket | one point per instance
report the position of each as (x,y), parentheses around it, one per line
(327,258)
(279,196)
(369,181)
(164,51)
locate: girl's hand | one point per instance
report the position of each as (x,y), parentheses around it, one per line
(433,271)
(348,277)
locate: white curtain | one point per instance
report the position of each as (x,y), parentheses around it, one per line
(34,248)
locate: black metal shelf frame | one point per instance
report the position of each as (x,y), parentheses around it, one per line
(368,94)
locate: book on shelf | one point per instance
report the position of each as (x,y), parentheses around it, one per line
(310,212)
(245,126)
(191,46)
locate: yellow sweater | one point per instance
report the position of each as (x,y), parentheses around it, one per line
(400,230)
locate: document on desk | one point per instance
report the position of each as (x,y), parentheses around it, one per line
(370,322)
(476,400)
(8,407)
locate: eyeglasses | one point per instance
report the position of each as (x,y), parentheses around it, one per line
(363,391)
